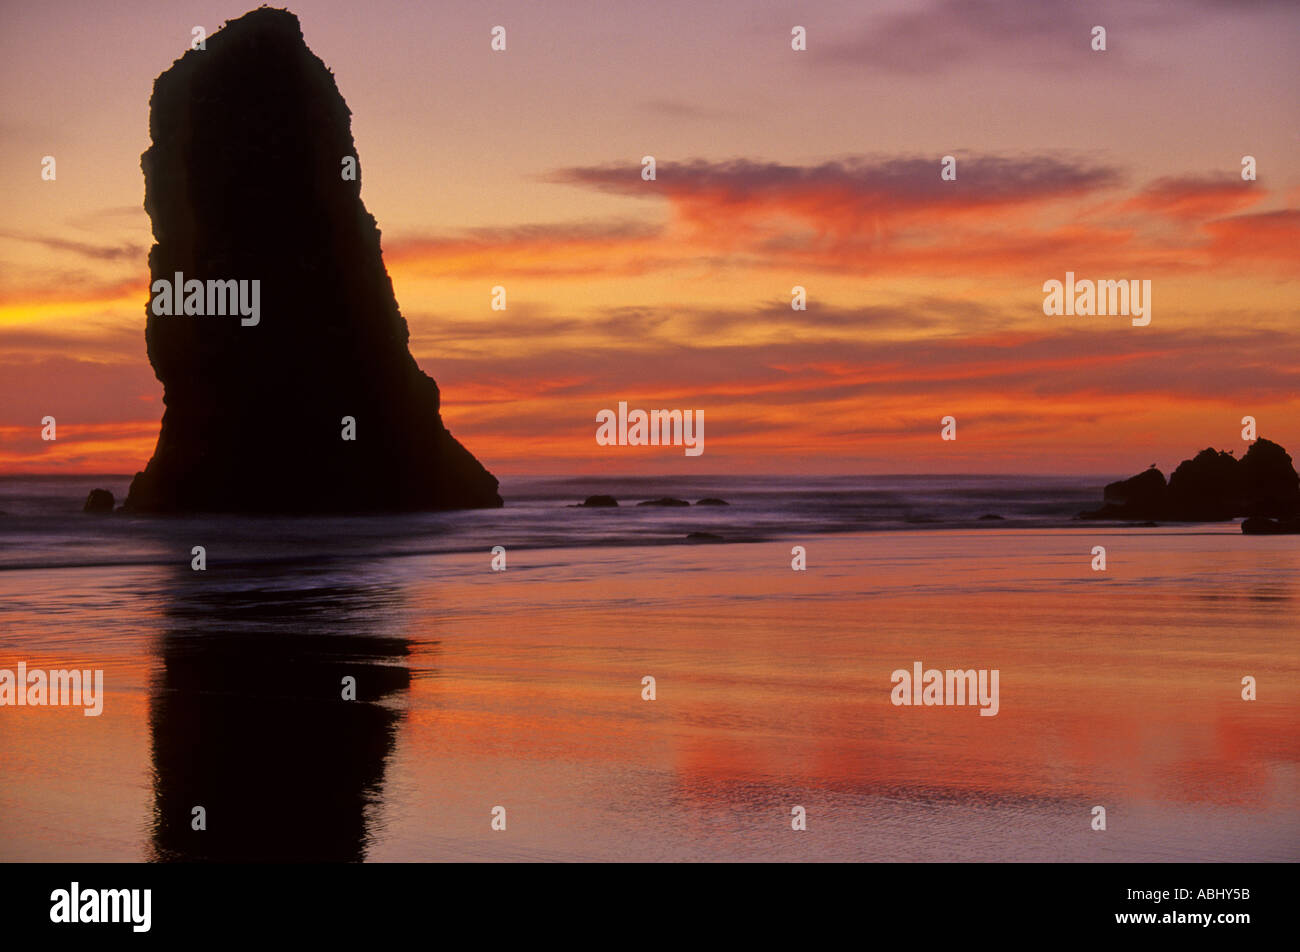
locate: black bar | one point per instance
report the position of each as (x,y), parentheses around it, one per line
(621,902)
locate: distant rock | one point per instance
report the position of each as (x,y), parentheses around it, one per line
(600,502)
(245,184)
(712,501)
(1145,491)
(704,537)
(1133,498)
(1213,486)
(664,501)
(990,517)
(99,500)
(1260,525)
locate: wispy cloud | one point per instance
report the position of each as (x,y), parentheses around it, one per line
(125,251)
(1048,36)
(879,216)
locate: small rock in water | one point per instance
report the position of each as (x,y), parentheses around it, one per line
(1260,525)
(99,500)
(600,501)
(711,501)
(990,516)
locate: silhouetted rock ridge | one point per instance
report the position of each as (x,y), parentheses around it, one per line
(1212,486)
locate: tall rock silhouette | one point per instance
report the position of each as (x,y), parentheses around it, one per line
(243,182)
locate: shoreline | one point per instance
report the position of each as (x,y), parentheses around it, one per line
(324,558)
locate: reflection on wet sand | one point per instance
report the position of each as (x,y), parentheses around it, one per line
(249,721)
(524,689)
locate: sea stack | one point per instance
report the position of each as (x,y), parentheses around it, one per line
(247,181)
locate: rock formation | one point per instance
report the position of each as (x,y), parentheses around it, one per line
(244,181)
(1208,487)
(1212,486)
(1259,525)
(704,537)
(1143,493)
(98,500)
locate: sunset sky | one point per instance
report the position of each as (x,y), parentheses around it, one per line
(775,168)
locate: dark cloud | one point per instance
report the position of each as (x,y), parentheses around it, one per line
(126,251)
(1042,35)
(935,37)
(868,181)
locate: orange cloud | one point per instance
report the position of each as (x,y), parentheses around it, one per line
(1195,198)
(861,217)
(842,384)
(80,447)
(58,302)
(1271,237)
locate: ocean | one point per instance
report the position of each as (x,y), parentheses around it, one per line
(43,525)
(525,690)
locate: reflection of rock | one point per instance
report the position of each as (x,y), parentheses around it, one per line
(600,502)
(712,501)
(99,500)
(249,721)
(664,501)
(243,182)
(1211,486)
